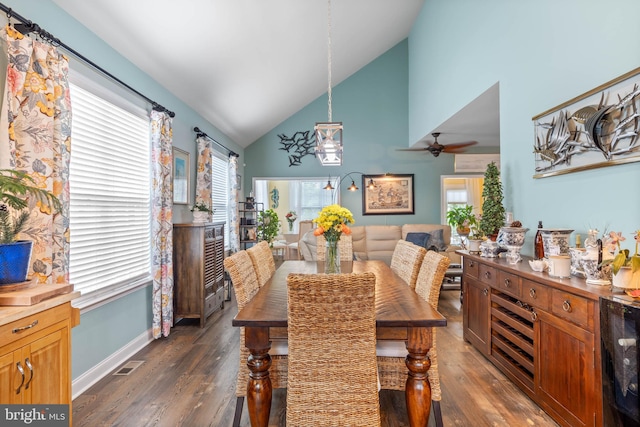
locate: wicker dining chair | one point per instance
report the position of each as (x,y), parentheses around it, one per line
(245,284)
(331,319)
(406,260)
(263,262)
(392,368)
(345,247)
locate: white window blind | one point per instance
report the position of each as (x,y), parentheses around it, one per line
(220,183)
(109,195)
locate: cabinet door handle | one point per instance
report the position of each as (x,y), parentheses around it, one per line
(487,274)
(507,283)
(23,328)
(534,316)
(485,292)
(532,293)
(21,369)
(566,306)
(26,362)
(471,263)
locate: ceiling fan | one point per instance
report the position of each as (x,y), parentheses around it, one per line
(436,148)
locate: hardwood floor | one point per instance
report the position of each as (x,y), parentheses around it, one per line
(188,379)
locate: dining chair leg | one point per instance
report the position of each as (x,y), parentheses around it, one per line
(238,414)
(437,413)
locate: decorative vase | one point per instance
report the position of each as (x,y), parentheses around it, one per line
(291,226)
(555,241)
(200,216)
(474,246)
(512,238)
(332,257)
(627,279)
(14,261)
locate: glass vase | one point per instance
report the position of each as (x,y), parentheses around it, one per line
(332,257)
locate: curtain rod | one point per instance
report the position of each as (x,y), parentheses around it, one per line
(200,133)
(27,27)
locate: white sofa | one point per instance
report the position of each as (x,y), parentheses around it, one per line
(377,242)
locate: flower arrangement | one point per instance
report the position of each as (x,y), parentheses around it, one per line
(622,258)
(201,207)
(332,222)
(291,217)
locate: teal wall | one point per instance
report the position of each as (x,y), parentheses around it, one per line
(373,106)
(110,327)
(542,53)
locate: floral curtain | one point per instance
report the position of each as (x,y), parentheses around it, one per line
(161,223)
(234,233)
(204,188)
(37,114)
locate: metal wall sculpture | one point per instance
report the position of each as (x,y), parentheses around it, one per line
(596,129)
(301,144)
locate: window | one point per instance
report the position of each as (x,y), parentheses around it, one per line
(110,200)
(220,183)
(460,190)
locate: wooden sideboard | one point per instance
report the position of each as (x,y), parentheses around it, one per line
(198,269)
(35,351)
(541,332)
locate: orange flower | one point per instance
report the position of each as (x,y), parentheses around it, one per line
(346,230)
(318,231)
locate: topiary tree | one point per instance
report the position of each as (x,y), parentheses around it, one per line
(492,207)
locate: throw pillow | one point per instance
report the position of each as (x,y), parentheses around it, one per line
(436,241)
(419,239)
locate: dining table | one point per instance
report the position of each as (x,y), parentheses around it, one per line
(401,315)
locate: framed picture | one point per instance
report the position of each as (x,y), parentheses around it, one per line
(391,195)
(596,129)
(180,177)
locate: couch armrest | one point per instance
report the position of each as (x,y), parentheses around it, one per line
(453,256)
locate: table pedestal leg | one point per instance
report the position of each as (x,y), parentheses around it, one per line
(418,389)
(259,388)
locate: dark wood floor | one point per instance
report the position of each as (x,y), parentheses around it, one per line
(188,379)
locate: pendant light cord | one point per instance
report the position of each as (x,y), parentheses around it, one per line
(329,54)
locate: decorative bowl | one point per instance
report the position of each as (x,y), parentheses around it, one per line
(538,265)
(512,236)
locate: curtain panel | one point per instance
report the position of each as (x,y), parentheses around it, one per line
(37,116)
(161,223)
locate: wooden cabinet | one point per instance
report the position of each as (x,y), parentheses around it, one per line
(35,356)
(198,270)
(543,333)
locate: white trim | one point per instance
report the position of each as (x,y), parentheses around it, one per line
(103,296)
(102,369)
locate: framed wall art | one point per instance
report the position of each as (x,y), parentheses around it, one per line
(392,195)
(596,129)
(180,177)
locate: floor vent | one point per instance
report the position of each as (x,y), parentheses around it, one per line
(128,367)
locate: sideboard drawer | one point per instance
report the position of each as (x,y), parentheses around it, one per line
(572,307)
(471,267)
(508,283)
(535,294)
(487,274)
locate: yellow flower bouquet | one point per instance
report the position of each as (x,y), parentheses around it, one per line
(332,222)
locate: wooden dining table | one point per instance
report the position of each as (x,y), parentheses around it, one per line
(401,315)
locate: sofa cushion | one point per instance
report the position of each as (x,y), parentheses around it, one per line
(436,241)
(381,241)
(359,239)
(419,239)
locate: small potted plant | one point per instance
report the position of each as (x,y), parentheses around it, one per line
(476,237)
(268,226)
(201,212)
(16,188)
(625,267)
(461,218)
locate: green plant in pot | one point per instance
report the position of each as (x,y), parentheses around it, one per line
(492,208)
(268,226)
(461,218)
(16,188)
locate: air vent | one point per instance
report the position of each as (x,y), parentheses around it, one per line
(129,367)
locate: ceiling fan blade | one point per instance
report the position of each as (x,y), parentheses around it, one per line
(412,149)
(454,147)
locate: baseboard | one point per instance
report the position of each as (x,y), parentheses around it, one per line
(95,374)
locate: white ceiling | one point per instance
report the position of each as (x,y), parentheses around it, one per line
(246,65)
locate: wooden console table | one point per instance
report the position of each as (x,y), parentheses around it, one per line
(541,332)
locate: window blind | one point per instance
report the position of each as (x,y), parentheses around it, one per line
(220,183)
(110,202)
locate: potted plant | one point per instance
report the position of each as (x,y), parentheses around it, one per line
(16,188)
(268,226)
(201,212)
(492,208)
(625,267)
(461,218)
(476,236)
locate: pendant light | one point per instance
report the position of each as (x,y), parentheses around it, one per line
(329,134)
